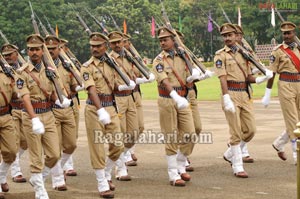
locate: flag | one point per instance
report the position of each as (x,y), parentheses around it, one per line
(179,24)
(272,15)
(209,23)
(56,30)
(239,17)
(153,27)
(124,27)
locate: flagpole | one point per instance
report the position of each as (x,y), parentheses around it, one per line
(211,45)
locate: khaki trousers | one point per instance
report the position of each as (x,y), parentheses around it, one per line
(242,125)
(195,111)
(177,126)
(45,145)
(139,110)
(289,97)
(128,118)
(66,129)
(17,116)
(8,139)
(98,134)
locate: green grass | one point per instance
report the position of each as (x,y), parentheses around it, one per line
(208,90)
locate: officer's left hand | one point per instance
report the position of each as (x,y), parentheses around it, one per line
(269,75)
(79,88)
(103,116)
(195,75)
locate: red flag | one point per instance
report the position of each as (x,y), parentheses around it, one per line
(153,28)
(124,27)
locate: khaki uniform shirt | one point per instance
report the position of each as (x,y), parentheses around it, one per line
(26,84)
(162,69)
(6,86)
(93,77)
(225,64)
(280,61)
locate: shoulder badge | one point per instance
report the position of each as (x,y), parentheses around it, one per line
(20,83)
(272,58)
(86,76)
(159,68)
(218,63)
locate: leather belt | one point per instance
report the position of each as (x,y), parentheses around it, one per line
(41,106)
(162,91)
(289,77)
(122,93)
(105,99)
(4,110)
(136,89)
(237,86)
(16,104)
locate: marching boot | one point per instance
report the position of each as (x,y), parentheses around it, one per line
(37,182)
(174,177)
(237,162)
(103,186)
(108,169)
(279,143)
(181,160)
(58,178)
(245,153)
(15,171)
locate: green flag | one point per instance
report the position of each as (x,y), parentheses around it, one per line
(179,23)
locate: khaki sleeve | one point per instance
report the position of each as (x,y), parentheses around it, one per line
(219,63)
(159,70)
(22,84)
(274,61)
(87,76)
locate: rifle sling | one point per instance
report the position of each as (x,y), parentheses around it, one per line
(293,57)
(38,83)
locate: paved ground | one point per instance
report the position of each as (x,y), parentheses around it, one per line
(270,178)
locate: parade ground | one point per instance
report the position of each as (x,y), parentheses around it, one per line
(269,177)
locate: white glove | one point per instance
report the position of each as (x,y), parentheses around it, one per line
(255,71)
(37,126)
(266,99)
(151,78)
(103,116)
(139,80)
(125,87)
(79,88)
(269,75)
(228,104)
(209,73)
(195,75)
(180,101)
(65,104)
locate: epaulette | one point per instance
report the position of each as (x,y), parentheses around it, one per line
(276,47)
(22,68)
(87,63)
(219,51)
(159,57)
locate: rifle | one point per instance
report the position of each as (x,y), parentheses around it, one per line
(97,22)
(182,52)
(49,26)
(86,28)
(135,58)
(247,55)
(297,40)
(66,62)
(51,72)
(21,60)
(105,57)
(225,15)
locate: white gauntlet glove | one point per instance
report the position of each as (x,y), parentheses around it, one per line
(209,74)
(180,101)
(269,75)
(266,99)
(65,104)
(125,87)
(37,126)
(151,78)
(103,116)
(79,88)
(228,104)
(139,80)
(195,75)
